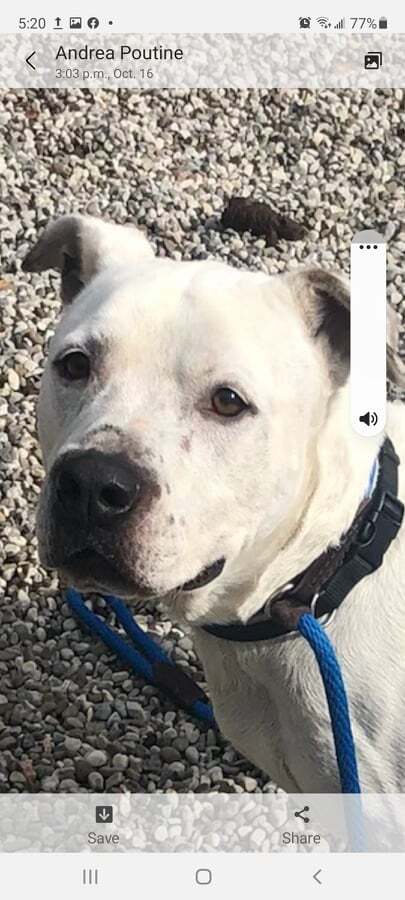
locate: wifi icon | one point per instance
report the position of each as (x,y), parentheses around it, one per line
(324,22)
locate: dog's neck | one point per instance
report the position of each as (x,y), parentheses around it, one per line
(337,473)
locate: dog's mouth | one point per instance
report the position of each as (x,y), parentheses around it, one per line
(208,574)
(90,569)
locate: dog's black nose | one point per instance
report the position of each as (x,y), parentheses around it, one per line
(95,488)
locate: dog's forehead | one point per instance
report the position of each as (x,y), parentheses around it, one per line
(203,305)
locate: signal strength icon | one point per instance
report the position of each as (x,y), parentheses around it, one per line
(340,24)
(324,22)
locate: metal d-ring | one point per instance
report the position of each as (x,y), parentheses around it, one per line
(327,618)
(283,590)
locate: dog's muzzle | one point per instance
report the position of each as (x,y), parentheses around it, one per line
(95,490)
(96,503)
(95,500)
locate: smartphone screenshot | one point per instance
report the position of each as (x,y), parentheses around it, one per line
(202,451)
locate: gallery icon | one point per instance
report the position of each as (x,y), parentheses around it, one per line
(75,22)
(93,22)
(373,60)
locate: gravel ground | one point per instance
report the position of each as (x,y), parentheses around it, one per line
(71,718)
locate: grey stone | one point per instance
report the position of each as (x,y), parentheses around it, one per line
(96,758)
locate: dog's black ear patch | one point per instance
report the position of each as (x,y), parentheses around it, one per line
(324,298)
(82,246)
(72,283)
(332,319)
(59,247)
(395,361)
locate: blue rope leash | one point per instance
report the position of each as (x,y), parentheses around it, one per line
(338,704)
(146,656)
(339,713)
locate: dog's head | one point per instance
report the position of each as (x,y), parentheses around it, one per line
(177,409)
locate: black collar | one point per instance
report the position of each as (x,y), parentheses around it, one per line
(325,583)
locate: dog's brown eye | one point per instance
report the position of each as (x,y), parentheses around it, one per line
(227,402)
(74,366)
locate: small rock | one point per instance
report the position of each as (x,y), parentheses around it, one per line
(82,770)
(258,836)
(96,758)
(50,783)
(68,785)
(120,761)
(96,781)
(161,834)
(13,380)
(103,711)
(170,754)
(72,744)
(250,784)
(17,778)
(177,769)
(136,712)
(192,756)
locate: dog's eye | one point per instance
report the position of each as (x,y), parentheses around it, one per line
(74,366)
(226,402)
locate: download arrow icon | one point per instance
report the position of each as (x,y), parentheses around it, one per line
(104,814)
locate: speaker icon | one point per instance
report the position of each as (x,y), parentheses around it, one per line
(369,418)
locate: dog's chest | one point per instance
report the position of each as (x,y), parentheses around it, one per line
(270,705)
(269,699)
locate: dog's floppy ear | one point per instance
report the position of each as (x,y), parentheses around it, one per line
(81,246)
(395,363)
(324,300)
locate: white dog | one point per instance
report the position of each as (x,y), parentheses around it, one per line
(195,429)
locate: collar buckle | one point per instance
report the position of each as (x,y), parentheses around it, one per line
(379,529)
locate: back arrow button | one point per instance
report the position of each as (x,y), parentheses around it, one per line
(27,60)
(316,878)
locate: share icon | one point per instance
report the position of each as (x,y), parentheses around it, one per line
(299,815)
